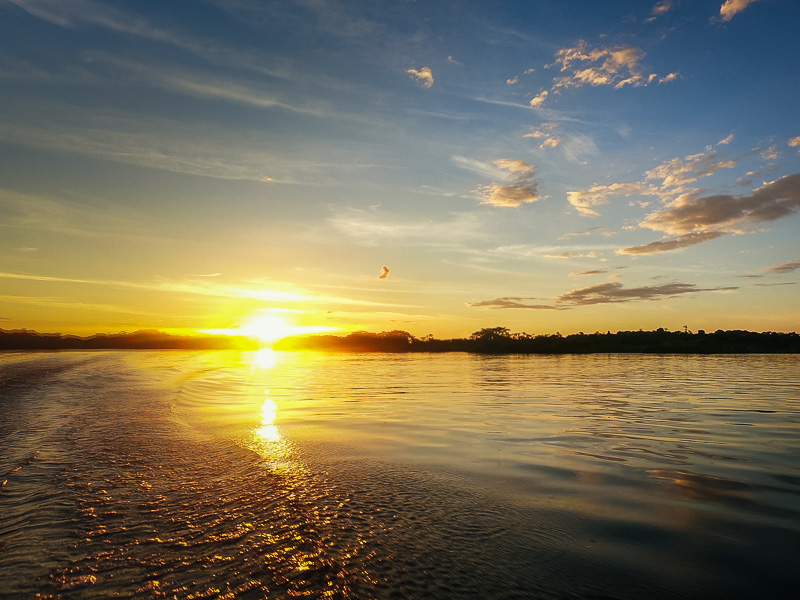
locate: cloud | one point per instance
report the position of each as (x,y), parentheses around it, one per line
(774,284)
(261,290)
(602,293)
(75,13)
(726,213)
(523,189)
(370,227)
(201,86)
(730,8)
(680,171)
(608,293)
(682,241)
(584,201)
(661,8)
(513,80)
(544,130)
(579,147)
(384,272)
(674,175)
(592,230)
(725,141)
(668,78)
(795,143)
(508,195)
(786,267)
(568,255)
(424,76)
(475,166)
(510,302)
(593,272)
(452,60)
(770,153)
(617,66)
(539,98)
(513,165)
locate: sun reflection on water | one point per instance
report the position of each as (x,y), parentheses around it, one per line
(267,439)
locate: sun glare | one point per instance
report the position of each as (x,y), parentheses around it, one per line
(269,329)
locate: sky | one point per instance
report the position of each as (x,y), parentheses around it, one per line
(430,166)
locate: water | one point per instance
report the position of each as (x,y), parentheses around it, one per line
(269,475)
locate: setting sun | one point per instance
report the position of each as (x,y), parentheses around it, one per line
(269,328)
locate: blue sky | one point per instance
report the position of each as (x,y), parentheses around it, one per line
(547,166)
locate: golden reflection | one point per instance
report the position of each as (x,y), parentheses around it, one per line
(268,431)
(266,358)
(267,439)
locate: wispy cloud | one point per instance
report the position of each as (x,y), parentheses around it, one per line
(569,255)
(795,143)
(44,213)
(511,302)
(209,86)
(76,13)
(424,76)
(682,241)
(725,141)
(371,227)
(197,148)
(731,8)
(786,267)
(591,231)
(261,290)
(601,293)
(608,293)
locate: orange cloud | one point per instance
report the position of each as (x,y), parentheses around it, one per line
(730,8)
(522,190)
(424,76)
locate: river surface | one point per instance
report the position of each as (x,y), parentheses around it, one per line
(177,474)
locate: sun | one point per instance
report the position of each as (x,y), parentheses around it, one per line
(269,328)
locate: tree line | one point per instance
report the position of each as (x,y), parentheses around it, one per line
(25,339)
(500,340)
(492,340)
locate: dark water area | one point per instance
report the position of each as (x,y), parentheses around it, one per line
(181,474)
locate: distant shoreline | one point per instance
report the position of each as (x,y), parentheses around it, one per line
(497,340)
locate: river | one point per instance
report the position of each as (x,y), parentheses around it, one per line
(183,474)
